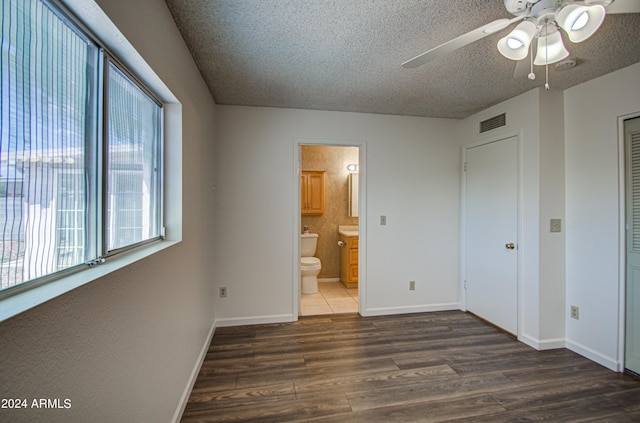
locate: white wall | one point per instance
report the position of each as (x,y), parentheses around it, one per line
(552,245)
(593,209)
(530,116)
(412,177)
(123,347)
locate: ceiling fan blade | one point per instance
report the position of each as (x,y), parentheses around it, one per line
(460,41)
(624,6)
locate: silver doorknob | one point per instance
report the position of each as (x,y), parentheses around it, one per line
(510,246)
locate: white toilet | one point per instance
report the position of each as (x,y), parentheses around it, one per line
(309,265)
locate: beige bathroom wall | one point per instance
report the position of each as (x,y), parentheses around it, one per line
(334,161)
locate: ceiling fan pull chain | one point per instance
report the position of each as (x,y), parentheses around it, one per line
(546,59)
(531,75)
(546,84)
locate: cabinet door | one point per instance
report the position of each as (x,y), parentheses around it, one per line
(315,193)
(303,192)
(353,274)
(353,260)
(312,192)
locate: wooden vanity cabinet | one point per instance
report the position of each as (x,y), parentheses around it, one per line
(349,261)
(312,195)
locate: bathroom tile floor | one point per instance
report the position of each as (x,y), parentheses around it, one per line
(332,298)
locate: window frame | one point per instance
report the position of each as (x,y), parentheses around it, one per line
(108,58)
(84,14)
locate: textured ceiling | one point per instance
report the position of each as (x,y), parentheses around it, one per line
(345,55)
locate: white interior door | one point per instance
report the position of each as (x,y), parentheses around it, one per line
(632,335)
(491,276)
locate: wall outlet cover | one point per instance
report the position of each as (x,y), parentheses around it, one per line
(575,312)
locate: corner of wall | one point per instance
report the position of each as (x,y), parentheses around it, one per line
(184,398)
(552,249)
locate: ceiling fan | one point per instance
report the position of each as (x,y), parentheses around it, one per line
(541,19)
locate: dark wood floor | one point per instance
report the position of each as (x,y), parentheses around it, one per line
(430,367)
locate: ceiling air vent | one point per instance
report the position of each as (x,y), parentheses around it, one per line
(493,123)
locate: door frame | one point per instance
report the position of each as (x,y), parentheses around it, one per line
(463,219)
(622,237)
(362,217)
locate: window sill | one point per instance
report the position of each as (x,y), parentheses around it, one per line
(22,301)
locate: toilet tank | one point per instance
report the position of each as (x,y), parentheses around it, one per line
(308,243)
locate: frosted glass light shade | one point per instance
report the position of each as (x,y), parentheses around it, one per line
(572,18)
(550,49)
(515,46)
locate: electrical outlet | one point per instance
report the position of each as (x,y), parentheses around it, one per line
(575,312)
(383,220)
(412,285)
(223,292)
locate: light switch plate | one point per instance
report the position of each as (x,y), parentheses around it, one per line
(383,220)
(555,225)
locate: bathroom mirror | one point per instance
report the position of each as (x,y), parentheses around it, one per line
(353,195)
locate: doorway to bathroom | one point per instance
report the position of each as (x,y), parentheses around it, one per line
(330,186)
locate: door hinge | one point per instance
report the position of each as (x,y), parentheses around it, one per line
(465,284)
(465,166)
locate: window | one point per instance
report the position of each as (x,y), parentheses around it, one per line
(80,148)
(132,212)
(70,222)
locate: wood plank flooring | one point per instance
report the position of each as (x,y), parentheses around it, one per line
(428,367)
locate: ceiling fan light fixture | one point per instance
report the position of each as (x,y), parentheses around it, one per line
(514,43)
(550,49)
(580,22)
(515,46)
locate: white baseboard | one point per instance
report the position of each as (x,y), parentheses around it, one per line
(384,311)
(184,399)
(256,320)
(603,360)
(541,345)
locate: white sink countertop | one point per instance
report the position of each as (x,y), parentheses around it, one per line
(348,230)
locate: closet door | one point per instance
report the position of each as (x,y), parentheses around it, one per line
(491,274)
(632,333)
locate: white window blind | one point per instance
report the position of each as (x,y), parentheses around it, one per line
(132,212)
(48,82)
(68,194)
(634,171)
